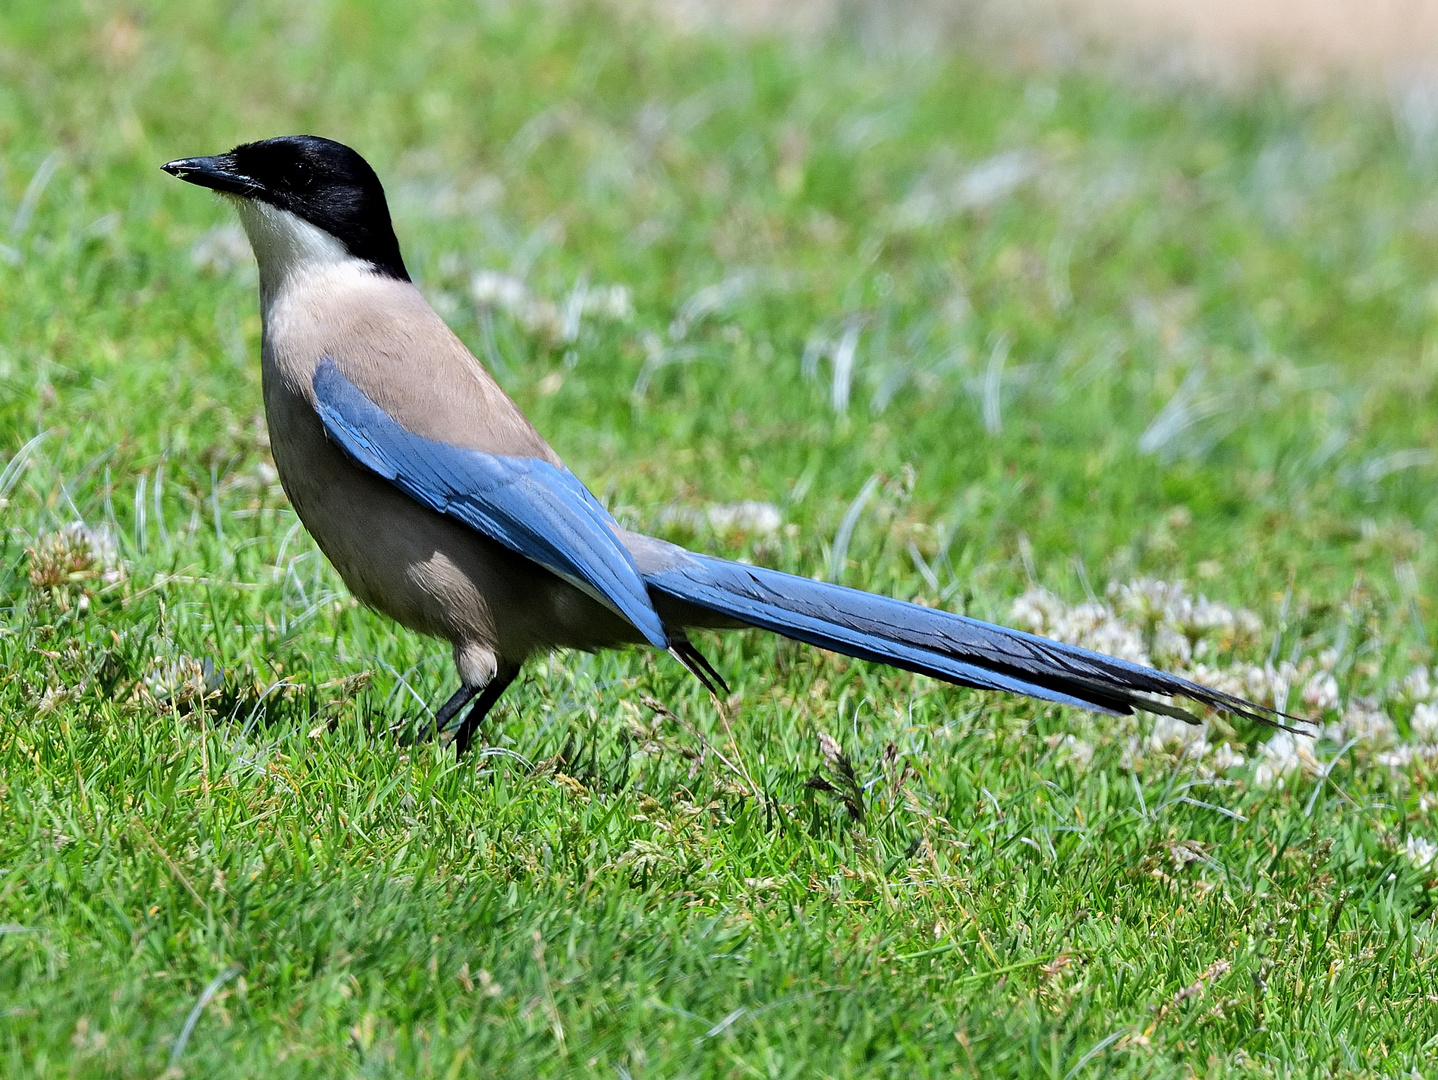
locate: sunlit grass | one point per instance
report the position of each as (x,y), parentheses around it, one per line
(956,334)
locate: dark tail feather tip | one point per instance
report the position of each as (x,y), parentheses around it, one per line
(698,665)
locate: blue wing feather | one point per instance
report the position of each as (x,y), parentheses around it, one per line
(534,508)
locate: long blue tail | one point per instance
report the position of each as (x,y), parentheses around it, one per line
(936,643)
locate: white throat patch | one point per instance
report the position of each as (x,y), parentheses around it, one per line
(288,247)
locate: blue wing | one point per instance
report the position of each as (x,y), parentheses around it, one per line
(539,510)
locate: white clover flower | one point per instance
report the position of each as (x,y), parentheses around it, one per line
(68,566)
(77,552)
(1171,733)
(1149,601)
(1280,756)
(1172,648)
(1225,758)
(1424,724)
(1320,692)
(1422,853)
(1078,753)
(1400,757)
(1038,611)
(1363,720)
(1417,686)
(182,680)
(1090,625)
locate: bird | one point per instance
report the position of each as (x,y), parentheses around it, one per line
(442,507)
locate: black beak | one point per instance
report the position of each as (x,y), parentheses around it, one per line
(217,173)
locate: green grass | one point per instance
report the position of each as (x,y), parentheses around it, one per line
(1192,338)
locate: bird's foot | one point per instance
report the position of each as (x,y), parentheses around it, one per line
(411,733)
(442,726)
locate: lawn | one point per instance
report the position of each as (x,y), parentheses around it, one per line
(1139,365)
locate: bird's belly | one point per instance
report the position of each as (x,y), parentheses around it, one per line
(425,571)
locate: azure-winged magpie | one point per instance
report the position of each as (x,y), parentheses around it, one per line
(441,505)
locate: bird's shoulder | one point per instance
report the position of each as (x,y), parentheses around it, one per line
(386,339)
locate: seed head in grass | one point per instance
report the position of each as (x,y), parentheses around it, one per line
(68,566)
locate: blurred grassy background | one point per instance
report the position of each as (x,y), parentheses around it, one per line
(1306,43)
(964,327)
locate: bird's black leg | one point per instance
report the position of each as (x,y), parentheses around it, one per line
(487,698)
(447,712)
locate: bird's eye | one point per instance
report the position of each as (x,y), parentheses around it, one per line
(301,176)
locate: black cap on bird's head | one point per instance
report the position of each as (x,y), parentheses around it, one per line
(322,181)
